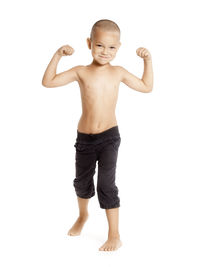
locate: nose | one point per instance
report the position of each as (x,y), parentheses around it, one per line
(104,51)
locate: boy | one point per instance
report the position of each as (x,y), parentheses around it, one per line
(98,136)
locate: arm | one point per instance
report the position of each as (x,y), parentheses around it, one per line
(144,85)
(51,79)
(148,74)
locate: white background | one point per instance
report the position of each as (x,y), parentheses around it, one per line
(158,162)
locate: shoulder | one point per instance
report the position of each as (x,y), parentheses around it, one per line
(120,71)
(78,68)
(120,68)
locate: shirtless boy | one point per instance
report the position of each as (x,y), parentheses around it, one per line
(98,136)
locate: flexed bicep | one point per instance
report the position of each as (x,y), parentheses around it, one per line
(133,81)
(64,77)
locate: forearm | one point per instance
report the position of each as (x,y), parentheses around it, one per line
(148,74)
(50,72)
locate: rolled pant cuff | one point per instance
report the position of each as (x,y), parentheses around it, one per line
(86,197)
(113,206)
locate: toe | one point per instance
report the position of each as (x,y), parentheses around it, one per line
(102,248)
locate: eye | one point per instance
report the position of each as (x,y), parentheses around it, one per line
(99,45)
(112,47)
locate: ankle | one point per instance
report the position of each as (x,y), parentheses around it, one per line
(114,234)
(83,215)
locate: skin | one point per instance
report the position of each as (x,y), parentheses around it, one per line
(99,81)
(99,85)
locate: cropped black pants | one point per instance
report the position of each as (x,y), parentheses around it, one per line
(102,148)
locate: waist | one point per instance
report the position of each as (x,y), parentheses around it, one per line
(89,137)
(97,125)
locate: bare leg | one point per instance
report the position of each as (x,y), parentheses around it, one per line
(113,242)
(83,216)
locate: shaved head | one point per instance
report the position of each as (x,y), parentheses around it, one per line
(104,25)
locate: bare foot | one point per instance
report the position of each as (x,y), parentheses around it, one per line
(113,243)
(78,225)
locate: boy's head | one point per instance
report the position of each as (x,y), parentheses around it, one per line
(104,41)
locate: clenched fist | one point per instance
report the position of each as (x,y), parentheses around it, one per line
(65,50)
(143,53)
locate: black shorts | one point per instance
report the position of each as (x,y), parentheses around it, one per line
(101,147)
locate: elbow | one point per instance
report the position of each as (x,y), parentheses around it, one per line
(45,84)
(49,83)
(149,89)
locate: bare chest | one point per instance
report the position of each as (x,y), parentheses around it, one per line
(99,87)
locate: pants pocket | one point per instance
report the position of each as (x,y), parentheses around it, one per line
(116,142)
(79,147)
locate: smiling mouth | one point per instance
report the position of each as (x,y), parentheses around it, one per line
(104,57)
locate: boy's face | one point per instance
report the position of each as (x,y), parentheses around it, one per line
(104,46)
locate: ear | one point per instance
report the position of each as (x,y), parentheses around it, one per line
(89,43)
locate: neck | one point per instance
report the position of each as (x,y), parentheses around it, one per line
(96,64)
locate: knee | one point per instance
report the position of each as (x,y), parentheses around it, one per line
(83,189)
(107,190)
(108,196)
